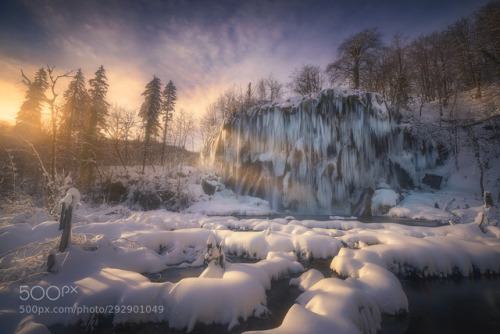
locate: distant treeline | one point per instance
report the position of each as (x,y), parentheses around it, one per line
(407,72)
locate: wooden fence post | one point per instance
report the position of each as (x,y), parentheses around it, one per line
(65,225)
(69,203)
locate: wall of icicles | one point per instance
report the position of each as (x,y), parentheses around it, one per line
(319,153)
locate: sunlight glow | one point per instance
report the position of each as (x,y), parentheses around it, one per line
(11,98)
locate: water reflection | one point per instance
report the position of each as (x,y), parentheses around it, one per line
(449,306)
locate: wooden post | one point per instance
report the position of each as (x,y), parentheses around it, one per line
(488,200)
(65,226)
(68,203)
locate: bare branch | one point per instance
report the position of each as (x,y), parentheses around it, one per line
(26,81)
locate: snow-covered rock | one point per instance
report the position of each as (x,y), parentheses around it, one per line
(383,200)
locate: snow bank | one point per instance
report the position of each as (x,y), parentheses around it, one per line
(259,244)
(429,252)
(17,235)
(106,259)
(331,306)
(226,203)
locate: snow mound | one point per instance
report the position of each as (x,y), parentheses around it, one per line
(258,244)
(331,306)
(307,279)
(239,293)
(226,203)
(366,272)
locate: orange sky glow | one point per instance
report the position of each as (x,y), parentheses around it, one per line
(203,47)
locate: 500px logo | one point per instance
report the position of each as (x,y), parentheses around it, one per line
(51,292)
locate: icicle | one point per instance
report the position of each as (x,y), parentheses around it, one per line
(318,152)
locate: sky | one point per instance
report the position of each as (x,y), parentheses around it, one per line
(204,47)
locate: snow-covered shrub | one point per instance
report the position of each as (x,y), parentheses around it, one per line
(157,188)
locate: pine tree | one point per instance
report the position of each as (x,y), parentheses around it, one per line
(28,120)
(73,111)
(93,123)
(150,112)
(169,98)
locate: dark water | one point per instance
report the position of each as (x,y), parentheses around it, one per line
(367,220)
(449,306)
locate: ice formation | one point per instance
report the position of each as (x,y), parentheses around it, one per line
(319,153)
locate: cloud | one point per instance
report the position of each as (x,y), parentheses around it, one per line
(198,47)
(203,46)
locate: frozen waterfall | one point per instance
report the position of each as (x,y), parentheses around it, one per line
(319,153)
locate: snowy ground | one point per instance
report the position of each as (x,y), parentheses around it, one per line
(112,246)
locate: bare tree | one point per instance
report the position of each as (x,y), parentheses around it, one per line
(119,126)
(51,101)
(420,63)
(354,57)
(275,87)
(50,83)
(249,99)
(184,125)
(395,73)
(306,79)
(232,102)
(441,70)
(261,90)
(488,35)
(465,55)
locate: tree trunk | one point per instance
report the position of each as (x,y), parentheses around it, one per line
(51,187)
(488,200)
(146,151)
(164,140)
(355,74)
(117,149)
(477,154)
